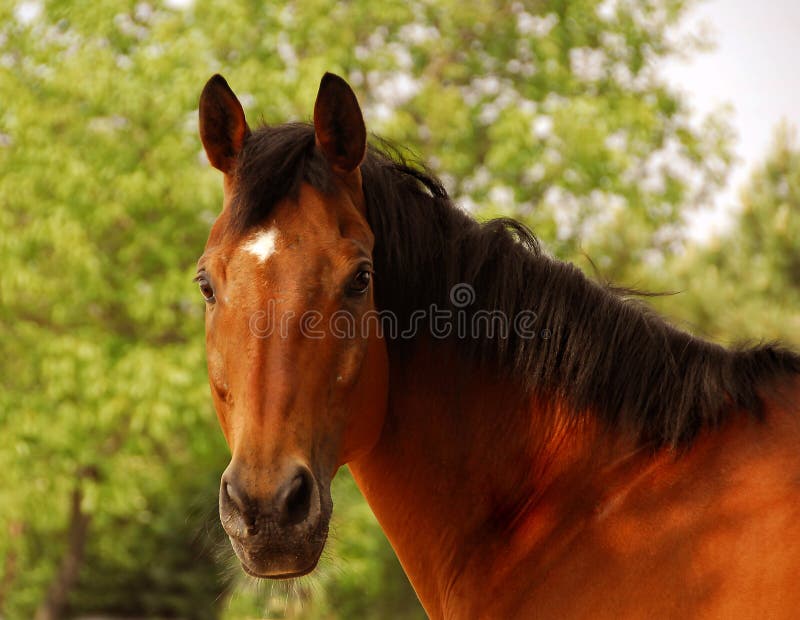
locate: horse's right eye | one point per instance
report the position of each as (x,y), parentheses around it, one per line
(206,289)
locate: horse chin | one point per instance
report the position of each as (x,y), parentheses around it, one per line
(288,562)
(278,577)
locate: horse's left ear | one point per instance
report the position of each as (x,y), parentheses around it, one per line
(339,125)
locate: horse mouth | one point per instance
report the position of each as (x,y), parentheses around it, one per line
(284,563)
(280,576)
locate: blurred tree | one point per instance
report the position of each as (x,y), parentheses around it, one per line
(745,285)
(550,109)
(106,422)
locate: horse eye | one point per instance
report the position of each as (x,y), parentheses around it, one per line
(360,283)
(206,289)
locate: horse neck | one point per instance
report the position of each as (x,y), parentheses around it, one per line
(465,463)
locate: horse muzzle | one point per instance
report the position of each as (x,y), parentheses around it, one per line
(278,534)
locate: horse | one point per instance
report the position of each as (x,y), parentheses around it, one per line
(532,443)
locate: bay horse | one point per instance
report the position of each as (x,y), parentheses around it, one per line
(585,460)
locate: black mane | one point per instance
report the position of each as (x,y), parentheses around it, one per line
(593,347)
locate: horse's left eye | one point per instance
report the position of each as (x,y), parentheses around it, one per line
(360,283)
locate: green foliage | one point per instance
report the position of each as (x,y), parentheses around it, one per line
(550,110)
(102,366)
(745,285)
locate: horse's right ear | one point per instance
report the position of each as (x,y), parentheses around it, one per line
(223,128)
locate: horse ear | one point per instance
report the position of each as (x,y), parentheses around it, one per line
(339,125)
(223,128)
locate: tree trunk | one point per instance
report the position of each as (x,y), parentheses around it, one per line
(55,603)
(15,530)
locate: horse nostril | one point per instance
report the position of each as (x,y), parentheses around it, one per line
(232,495)
(296,496)
(239,509)
(293,503)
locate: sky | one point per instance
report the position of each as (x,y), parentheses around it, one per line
(755,68)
